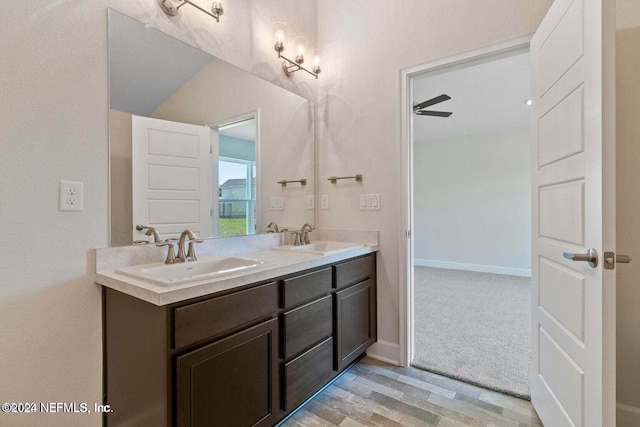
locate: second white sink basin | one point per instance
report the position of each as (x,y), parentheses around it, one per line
(173,274)
(322,248)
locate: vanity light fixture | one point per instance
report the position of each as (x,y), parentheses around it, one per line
(172,8)
(291,66)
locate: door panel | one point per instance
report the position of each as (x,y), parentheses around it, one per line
(573,304)
(172,173)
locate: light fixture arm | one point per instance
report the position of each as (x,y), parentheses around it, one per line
(172,10)
(289,67)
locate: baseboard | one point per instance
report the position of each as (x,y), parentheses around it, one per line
(627,415)
(522,272)
(385,352)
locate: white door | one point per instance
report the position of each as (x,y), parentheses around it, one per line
(172,173)
(573,178)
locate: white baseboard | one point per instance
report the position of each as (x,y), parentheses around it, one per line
(384,351)
(627,415)
(522,272)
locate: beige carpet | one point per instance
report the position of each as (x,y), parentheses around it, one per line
(474,327)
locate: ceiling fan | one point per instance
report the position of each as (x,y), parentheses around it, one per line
(418,108)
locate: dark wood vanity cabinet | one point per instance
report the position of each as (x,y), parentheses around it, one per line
(246,357)
(354,309)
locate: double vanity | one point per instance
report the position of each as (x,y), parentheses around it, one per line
(239,337)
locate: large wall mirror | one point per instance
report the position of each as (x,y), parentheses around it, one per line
(198,143)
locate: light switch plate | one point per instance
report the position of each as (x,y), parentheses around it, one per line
(71,196)
(370,202)
(324,201)
(277,203)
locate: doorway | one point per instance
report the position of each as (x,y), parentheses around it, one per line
(468,263)
(236,179)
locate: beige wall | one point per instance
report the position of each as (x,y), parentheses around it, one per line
(53,126)
(628,210)
(366,43)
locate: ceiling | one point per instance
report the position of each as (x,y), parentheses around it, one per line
(484,98)
(147,66)
(245,129)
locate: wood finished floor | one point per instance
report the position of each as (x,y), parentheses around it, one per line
(373,393)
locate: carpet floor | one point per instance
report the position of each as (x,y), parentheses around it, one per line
(474,327)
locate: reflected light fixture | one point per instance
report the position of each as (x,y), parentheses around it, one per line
(528,102)
(291,66)
(172,8)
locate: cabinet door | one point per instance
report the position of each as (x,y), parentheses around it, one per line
(231,382)
(355,322)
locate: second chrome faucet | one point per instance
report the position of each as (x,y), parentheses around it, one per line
(172,257)
(302,236)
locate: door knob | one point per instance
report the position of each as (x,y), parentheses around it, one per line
(610,259)
(591,257)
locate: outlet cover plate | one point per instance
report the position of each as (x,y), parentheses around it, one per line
(324,201)
(277,203)
(71,196)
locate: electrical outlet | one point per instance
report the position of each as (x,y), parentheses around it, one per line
(71,196)
(324,201)
(311,201)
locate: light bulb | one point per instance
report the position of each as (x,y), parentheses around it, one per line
(316,60)
(280,36)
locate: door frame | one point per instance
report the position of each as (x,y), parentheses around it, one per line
(461,60)
(248,115)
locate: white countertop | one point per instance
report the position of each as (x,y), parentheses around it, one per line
(276,263)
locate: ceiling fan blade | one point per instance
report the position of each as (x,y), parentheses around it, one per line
(432,101)
(433,113)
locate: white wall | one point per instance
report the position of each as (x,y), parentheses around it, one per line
(53,126)
(628,206)
(472,202)
(365,45)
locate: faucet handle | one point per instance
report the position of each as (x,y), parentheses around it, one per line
(191,253)
(171,256)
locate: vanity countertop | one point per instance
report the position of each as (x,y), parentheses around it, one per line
(276,263)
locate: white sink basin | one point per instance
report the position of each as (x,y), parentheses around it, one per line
(322,248)
(173,274)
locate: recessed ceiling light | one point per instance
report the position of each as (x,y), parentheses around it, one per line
(528,102)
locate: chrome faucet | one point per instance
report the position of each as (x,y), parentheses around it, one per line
(272,227)
(298,237)
(172,258)
(153,232)
(304,233)
(191,253)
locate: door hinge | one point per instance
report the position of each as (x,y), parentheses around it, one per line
(210,149)
(408,234)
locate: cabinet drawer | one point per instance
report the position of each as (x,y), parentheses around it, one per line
(355,271)
(202,320)
(307,373)
(306,325)
(297,290)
